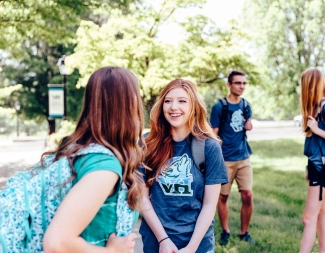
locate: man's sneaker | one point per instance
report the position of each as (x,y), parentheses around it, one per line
(224,237)
(246,237)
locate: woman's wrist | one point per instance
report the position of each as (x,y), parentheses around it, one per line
(164,239)
(192,247)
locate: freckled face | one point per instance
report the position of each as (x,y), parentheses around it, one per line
(177,108)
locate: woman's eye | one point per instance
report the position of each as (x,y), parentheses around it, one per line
(182,101)
(167,101)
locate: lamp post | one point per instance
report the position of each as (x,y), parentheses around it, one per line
(17,108)
(58,97)
(64,73)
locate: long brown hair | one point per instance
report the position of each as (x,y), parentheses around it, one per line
(112,116)
(159,140)
(312,91)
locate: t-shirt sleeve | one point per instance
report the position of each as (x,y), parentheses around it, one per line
(86,164)
(216,115)
(215,166)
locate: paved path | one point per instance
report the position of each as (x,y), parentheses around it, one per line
(18,156)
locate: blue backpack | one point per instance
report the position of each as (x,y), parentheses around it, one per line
(30,199)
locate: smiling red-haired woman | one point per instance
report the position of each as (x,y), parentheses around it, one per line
(180,199)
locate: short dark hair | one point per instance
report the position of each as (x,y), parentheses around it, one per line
(235,73)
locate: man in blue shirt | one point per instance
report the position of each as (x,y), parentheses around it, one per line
(230,119)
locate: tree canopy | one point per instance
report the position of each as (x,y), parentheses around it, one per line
(205,55)
(121,33)
(289,39)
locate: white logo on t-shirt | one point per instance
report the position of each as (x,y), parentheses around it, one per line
(237,121)
(176,181)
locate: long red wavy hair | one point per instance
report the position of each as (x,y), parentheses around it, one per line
(312,90)
(159,141)
(112,116)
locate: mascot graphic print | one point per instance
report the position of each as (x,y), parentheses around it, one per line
(176,181)
(237,120)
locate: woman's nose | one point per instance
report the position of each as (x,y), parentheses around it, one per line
(173,105)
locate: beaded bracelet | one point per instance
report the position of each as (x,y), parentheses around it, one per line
(163,239)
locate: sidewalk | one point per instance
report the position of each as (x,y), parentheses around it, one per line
(272,123)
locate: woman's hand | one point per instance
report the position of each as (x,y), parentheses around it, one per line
(312,124)
(167,246)
(185,250)
(121,244)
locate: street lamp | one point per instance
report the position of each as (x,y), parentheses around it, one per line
(58,97)
(17,108)
(64,73)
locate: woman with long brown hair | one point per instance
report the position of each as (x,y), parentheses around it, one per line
(313,113)
(180,200)
(112,117)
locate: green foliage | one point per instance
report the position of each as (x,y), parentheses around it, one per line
(290,40)
(8,123)
(35,34)
(279,191)
(54,21)
(122,33)
(205,56)
(33,73)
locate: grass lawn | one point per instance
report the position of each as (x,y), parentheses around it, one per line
(280,192)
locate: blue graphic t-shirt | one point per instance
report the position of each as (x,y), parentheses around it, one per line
(234,146)
(177,196)
(313,144)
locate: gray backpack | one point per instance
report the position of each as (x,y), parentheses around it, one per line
(198,153)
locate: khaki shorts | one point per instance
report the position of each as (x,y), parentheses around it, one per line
(242,172)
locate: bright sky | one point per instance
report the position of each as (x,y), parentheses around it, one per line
(220,11)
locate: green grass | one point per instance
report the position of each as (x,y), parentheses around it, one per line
(279,191)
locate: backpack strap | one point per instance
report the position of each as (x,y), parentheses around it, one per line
(224,113)
(245,115)
(95,148)
(197,148)
(246,109)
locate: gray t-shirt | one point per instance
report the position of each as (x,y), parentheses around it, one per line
(234,144)
(177,196)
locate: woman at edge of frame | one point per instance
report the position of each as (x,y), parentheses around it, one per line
(312,92)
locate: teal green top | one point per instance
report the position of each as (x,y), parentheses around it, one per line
(104,222)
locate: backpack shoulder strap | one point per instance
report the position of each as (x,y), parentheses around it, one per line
(245,102)
(197,148)
(95,148)
(224,112)
(246,109)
